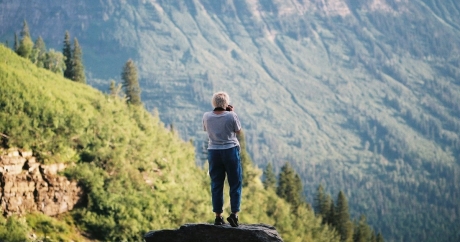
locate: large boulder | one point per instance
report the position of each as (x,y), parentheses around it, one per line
(216,233)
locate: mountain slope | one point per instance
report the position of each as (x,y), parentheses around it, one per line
(137,175)
(361,96)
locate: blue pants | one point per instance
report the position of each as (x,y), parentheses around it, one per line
(221,163)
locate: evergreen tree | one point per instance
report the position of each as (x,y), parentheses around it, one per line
(16,42)
(319,198)
(342,218)
(38,56)
(54,62)
(114,89)
(249,173)
(329,213)
(269,177)
(26,44)
(290,186)
(322,205)
(25,30)
(362,233)
(299,198)
(131,83)
(67,52)
(78,70)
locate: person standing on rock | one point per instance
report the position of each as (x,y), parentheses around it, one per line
(222,126)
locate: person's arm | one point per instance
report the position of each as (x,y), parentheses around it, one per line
(237,123)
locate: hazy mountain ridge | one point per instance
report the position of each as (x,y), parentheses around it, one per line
(355,93)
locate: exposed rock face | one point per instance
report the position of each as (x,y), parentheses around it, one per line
(209,232)
(28,186)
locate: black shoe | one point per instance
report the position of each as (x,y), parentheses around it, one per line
(219,221)
(233,220)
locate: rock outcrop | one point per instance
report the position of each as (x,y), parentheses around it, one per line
(28,186)
(222,233)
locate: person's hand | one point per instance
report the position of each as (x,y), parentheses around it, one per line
(229,108)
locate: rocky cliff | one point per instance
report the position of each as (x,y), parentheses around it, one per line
(28,186)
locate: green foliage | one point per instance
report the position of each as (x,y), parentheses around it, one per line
(38,227)
(25,30)
(137,175)
(13,229)
(16,42)
(250,173)
(324,205)
(78,70)
(114,89)
(337,216)
(52,229)
(363,232)
(54,61)
(131,83)
(342,218)
(25,47)
(67,52)
(38,56)
(290,187)
(269,177)
(26,44)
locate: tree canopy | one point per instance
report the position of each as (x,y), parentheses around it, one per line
(131,83)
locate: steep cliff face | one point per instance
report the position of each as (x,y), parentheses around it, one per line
(27,186)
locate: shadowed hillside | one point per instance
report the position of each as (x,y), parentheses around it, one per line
(361,96)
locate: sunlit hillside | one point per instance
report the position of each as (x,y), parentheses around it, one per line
(136,174)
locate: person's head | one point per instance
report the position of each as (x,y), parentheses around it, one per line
(220,99)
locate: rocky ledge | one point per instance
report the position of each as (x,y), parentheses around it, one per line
(214,233)
(28,186)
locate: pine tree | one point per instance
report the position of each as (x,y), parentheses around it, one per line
(322,205)
(16,43)
(67,52)
(26,44)
(331,216)
(284,182)
(249,173)
(39,53)
(131,83)
(362,233)
(290,186)
(25,30)
(114,89)
(342,218)
(77,63)
(329,212)
(299,198)
(269,177)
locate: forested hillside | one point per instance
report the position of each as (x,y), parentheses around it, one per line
(360,96)
(137,175)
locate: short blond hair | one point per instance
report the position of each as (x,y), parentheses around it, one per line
(220,99)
